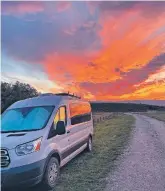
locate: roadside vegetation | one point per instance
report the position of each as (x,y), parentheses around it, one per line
(89,171)
(157,115)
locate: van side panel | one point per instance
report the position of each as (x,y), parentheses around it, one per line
(81,124)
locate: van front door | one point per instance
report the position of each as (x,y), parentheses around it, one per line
(60,142)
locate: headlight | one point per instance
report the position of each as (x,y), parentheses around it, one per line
(29,147)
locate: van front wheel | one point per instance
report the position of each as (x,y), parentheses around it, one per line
(52,173)
(89,145)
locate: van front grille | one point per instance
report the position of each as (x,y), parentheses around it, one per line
(5,159)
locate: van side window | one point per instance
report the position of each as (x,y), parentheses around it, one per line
(80,112)
(63,114)
(57,117)
(60,115)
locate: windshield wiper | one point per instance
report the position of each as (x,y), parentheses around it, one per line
(25,130)
(9,131)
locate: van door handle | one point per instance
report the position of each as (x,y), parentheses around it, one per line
(68,131)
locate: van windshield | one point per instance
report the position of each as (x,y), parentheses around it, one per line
(25,119)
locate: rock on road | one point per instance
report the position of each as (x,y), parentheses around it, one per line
(142,166)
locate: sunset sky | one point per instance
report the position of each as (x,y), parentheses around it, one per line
(99,50)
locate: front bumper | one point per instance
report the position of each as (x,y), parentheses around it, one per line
(27,175)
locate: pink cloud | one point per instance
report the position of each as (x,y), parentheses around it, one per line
(63,5)
(22,8)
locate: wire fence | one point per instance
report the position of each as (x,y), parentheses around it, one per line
(102,116)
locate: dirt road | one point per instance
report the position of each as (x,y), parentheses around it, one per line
(142,166)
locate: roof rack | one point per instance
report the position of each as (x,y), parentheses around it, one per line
(46,94)
(68,94)
(61,94)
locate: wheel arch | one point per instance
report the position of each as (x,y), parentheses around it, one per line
(55,154)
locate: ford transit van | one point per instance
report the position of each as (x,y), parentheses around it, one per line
(39,135)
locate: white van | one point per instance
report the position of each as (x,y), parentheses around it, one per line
(39,135)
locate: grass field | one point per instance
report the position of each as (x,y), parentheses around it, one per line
(88,171)
(157,115)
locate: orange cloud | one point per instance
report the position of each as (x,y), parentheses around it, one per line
(127,44)
(155,90)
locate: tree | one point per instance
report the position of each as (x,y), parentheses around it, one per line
(11,93)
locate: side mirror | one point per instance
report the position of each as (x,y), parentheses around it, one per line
(60,128)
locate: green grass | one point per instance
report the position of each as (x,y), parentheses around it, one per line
(88,171)
(158,115)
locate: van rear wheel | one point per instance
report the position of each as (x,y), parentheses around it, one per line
(52,173)
(89,145)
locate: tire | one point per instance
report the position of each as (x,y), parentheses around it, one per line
(89,145)
(51,173)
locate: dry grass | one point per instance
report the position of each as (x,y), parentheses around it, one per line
(157,115)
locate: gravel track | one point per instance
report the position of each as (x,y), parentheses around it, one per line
(142,166)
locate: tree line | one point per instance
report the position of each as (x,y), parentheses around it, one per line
(12,92)
(124,107)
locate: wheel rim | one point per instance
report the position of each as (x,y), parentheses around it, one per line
(90,144)
(53,173)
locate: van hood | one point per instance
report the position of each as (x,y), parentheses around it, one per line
(11,140)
